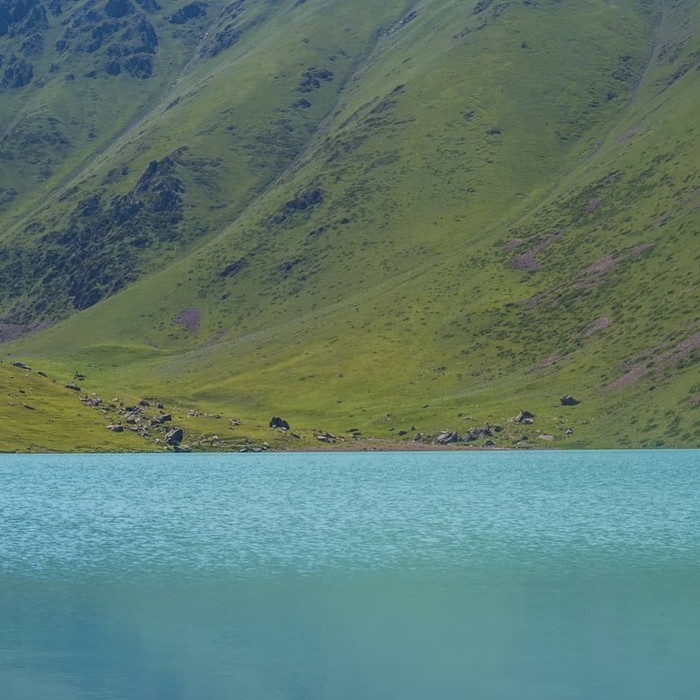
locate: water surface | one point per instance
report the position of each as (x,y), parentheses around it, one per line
(493,576)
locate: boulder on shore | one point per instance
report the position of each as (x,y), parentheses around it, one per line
(174,436)
(277,422)
(447,437)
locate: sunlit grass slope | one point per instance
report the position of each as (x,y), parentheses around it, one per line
(498,208)
(39,414)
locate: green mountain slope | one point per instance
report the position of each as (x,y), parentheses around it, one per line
(408,219)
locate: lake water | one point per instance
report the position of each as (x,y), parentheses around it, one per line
(415,576)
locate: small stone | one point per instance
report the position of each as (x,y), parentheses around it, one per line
(159,420)
(569,401)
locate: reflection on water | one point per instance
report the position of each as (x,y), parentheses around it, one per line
(347,576)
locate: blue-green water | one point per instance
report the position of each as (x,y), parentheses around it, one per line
(492,576)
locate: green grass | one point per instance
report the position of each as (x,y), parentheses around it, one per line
(560,137)
(41,415)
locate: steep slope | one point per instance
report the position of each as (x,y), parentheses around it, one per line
(118,171)
(499,207)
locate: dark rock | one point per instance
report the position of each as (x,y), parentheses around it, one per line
(159,420)
(73,387)
(277,422)
(234,268)
(21,365)
(303,103)
(305,200)
(478,433)
(569,431)
(447,437)
(524,417)
(311,79)
(116,428)
(145,403)
(569,401)
(174,436)
(403,432)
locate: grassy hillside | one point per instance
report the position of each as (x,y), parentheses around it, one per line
(41,415)
(484,206)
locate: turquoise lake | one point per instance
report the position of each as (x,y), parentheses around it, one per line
(451,575)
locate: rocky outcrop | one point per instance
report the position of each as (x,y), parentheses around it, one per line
(303,202)
(96,252)
(174,436)
(121,37)
(447,437)
(17,74)
(478,433)
(22,17)
(312,78)
(279,423)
